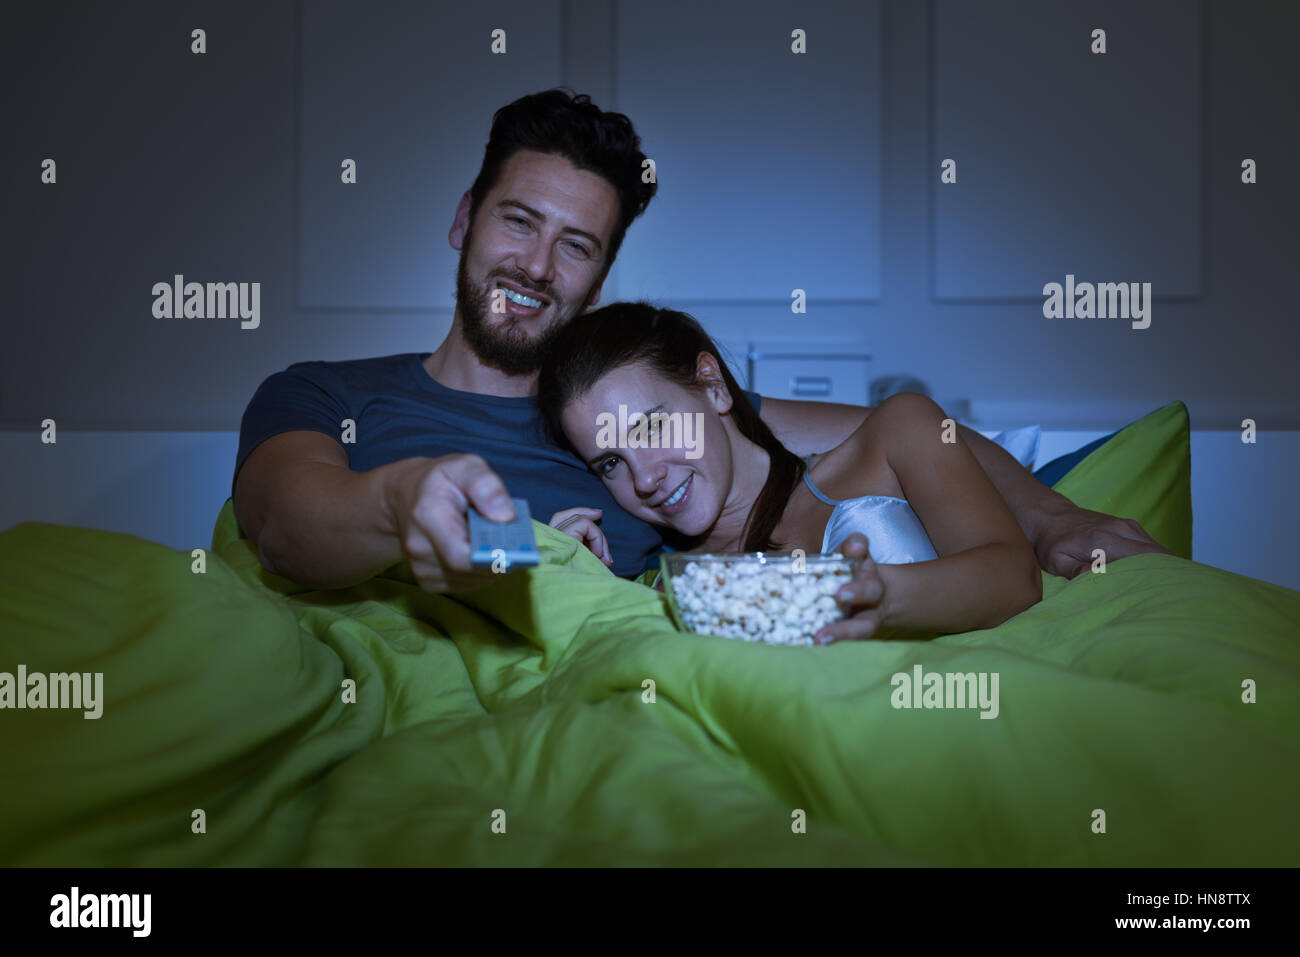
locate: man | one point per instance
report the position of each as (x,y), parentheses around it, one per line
(560,183)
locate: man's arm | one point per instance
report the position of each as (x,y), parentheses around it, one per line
(316,521)
(1063,535)
(806,428)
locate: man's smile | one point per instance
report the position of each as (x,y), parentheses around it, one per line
(521,303)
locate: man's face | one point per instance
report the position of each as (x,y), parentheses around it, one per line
(532,258)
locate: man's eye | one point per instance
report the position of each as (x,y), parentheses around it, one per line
(517,219)
(580,249)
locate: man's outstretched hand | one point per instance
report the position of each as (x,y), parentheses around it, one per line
(1068,536)
(428,501)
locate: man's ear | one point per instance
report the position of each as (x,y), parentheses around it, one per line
(593,297)
(460,225)
(709,376)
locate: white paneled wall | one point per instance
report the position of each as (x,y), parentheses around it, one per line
(380,243)
(778,170)
(784,151)
(169,486)
(1026,209)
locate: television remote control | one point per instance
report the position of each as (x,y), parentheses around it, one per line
(503,546)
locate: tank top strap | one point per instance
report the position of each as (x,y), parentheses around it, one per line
(813,488)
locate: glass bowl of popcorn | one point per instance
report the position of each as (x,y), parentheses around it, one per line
(776,599)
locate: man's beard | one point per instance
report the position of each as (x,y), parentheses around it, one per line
(507,348)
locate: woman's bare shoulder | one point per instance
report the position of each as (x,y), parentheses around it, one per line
(860,464)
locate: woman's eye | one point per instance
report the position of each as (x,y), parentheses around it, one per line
(607,465)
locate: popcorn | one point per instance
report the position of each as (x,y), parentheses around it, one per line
(755,600)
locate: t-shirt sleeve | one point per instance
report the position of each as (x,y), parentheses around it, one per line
(307,396)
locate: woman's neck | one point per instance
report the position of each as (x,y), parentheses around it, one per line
(749,467)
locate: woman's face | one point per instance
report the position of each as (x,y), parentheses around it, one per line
(661,449)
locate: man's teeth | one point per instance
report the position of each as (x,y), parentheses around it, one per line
(677,496)
(520,299)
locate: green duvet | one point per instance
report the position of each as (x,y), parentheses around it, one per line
(1146,715)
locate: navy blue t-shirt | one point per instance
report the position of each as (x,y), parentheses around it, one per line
(402,412)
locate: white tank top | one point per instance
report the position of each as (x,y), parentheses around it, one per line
(895,536)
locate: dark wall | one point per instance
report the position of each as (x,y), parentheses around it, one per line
(777,172)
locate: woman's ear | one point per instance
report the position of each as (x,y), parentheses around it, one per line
(709,376)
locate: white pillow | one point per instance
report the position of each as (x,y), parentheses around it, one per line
(1021,443)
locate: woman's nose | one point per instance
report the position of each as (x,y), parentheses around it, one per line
(647,475)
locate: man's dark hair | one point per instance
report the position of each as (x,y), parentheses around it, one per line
(562,124)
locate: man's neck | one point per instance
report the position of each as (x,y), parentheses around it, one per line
(455,365)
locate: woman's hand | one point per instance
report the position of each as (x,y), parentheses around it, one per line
(581,524)
(864,595)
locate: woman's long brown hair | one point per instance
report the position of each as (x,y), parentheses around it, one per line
(669,344)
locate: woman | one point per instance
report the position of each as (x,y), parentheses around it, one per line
(946,554)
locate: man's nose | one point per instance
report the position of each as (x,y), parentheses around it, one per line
(537,262)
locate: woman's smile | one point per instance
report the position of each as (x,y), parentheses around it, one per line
(678,498)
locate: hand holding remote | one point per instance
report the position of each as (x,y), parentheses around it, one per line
(427,506)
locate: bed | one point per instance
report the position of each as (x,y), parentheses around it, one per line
(1147,715)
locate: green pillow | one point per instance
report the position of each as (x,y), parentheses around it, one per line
(1143,473)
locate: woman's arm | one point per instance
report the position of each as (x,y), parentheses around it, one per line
(986,571)
(1062,534)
